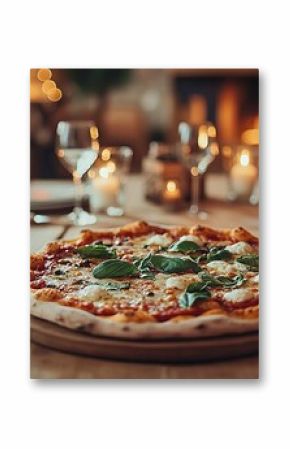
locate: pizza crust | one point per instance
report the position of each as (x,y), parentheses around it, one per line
(177,328)
(136,326)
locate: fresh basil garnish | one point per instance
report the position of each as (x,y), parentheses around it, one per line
(250,260)
(222,281)
(97,251)
(114,268)
(194,292)
(184,246)
(218,253)
(143,266)
(173,264)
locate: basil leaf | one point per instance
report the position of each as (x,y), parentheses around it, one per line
(184,246)
(218,253)
(194,292)
(196,287)
(143,264)
(250,260)
(97,251)
(222,281)
(116,285)
(173,264)
(114,268)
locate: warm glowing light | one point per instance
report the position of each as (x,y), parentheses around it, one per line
(194,171)
(111,166)
(214,148)
(54,94)
(171,186)
(44,74)
(245,158)
(91,173)
(94,132)
(211,131)
(104,172)
(47,86)
(95,145)
(250,137)
(227,151)
(202,137)
(106,154)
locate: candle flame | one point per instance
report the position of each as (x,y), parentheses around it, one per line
(245,158)
(171,186)
(202,137)
(106,154)
(94,132)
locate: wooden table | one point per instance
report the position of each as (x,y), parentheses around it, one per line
(51,364)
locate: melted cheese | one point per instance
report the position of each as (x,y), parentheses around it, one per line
(255,279)
(159,239)
(240,248)
(220,267)
(239,295)
(191,238)
(180,282)
(239,266)
(93,293)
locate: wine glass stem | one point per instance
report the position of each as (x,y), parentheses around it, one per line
(78,193)
(195,193)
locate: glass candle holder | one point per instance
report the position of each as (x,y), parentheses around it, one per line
(106,180)
(172,195)
(241,164)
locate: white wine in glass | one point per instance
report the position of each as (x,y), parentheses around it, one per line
(77,148)
(198,148)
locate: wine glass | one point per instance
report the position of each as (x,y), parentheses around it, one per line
(198,149)
(77,148)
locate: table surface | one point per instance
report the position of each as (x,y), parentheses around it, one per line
(51,364)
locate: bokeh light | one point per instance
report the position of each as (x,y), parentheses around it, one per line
(47,86)
(54,94)
(44,74)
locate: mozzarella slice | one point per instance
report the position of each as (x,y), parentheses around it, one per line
(220,267)
(180,282)
(159,239)
(239,295)
(92,293)
(240,248)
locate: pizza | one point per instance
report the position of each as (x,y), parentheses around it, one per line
(149,282)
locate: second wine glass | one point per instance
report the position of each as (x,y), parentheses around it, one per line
(198,148)
(77,148)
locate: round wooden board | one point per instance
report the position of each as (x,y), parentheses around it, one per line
(57,337)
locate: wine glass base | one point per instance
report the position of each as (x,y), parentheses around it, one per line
(200,214)
(82,218)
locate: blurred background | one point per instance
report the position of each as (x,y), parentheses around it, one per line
(174,137)
(137,106)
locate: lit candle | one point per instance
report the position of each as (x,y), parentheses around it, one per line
(172,195)
(106,188)
(243,175)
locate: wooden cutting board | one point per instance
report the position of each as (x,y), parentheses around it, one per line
(213,348)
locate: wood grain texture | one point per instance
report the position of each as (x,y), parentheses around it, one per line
(51,364)
(57,337)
